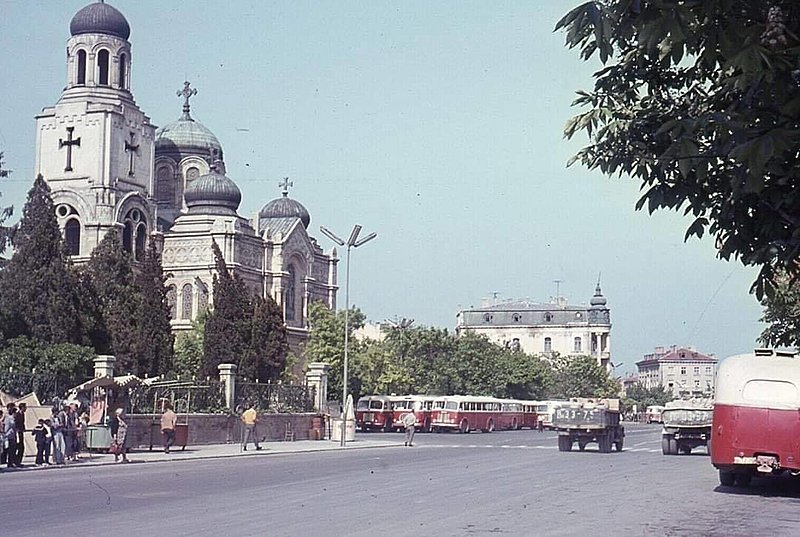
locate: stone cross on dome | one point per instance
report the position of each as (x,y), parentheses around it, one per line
(285,184)
(186,93)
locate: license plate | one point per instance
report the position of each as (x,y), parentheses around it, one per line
(745,460)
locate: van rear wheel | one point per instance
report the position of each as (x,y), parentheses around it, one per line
(726,479)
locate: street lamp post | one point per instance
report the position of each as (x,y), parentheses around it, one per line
(352,242)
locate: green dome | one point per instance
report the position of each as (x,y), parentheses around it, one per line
(212,193)
(187,135)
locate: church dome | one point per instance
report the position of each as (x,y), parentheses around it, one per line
(598,300)
(187,135)
(285,207)
(212,193)
(100,18)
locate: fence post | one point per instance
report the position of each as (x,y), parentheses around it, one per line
(104,365)
(227,376)
(317,377)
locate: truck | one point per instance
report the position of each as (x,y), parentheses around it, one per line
(687,425)
(585,420)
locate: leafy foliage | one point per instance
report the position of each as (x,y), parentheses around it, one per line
(782,313)
(5,214)
(645,397)
(268,347)
(580,376)
(154,332)
(38,289)
(188,353)
(699,100)
(63,359)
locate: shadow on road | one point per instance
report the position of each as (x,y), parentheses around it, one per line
(783,486)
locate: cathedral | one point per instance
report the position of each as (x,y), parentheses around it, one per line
(109,166)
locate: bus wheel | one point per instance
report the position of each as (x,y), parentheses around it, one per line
(464,426)
(427,427)
(490,426)
(726,479)
(743,480)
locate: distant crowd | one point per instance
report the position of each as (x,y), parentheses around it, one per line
(59,438)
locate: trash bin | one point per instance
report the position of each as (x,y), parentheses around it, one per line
(98,437)
(336,430)
(181,435)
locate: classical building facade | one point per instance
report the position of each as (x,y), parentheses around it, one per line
(544,328)
(109,167)
(681,370)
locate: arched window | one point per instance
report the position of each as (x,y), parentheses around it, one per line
(548,344)
(81,78)
(578,345)
(164,189)
(122,66)
(141,241)
(102,67)
(202,298)
(127,237)
(72,236)
(289,294)
(186,301)
(172,301)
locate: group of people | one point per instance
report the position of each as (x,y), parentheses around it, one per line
(57,438)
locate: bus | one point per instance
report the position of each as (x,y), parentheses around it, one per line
(465,413)
(755,423)
(653,414)
(374,413)
(420,405)
(530,414)
(545,411)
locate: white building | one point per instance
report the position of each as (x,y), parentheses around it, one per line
(681,370)
(109,167)
(537,328)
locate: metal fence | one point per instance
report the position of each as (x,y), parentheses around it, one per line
(269,397)
(47,387)
(184,396)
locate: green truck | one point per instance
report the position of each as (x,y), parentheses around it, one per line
(687,425)
(586,420)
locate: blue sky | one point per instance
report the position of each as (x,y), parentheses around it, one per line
(436,125)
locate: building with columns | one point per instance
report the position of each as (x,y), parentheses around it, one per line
(544,328)
(109,167)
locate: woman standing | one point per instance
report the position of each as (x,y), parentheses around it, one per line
(119,434)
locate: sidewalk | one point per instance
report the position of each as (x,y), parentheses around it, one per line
(213,451)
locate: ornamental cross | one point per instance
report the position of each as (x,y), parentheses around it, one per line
(186,93)
(285,184)
(69,143)
(132,151)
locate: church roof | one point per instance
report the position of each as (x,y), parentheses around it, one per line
(100,18)
(212,193)
(187,135)
(285,207)
(283,225)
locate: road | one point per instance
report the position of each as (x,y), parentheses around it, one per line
(512,483)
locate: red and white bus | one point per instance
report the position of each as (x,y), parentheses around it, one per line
(465,413)
(545,411)
(420,405)
(374,413)
(756,420)
(530,414)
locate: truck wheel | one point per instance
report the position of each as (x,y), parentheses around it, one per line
(618,445)
(665,445)
(726,479)
(673,446)
(564,443)
(604,443)
(743,480)
(581,445)
(464,426)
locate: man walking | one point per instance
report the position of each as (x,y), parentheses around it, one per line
(168,421)
(19,426)
(250,419)
(10,435)
(409,420)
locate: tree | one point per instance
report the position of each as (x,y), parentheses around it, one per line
(155,339)
(529,377)
(268,347)
(25,354)
(227,329)
(5,214)
(644,397)
(326,342)
(38,289)
(580,376)
(188,354)
(114,303)
(700,101)
(782,313)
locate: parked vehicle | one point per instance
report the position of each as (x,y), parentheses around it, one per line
(465,413)
(374,413)
(755,427)
(419,405)
(585,420)
(545,411)
(653,414)
(687,425)
(530,415)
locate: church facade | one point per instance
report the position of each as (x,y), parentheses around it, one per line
(109,167)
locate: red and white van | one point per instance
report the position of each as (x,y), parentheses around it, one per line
(756,422)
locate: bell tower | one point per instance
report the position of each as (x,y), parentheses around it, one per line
(95,147)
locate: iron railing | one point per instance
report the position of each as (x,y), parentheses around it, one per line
(274,397)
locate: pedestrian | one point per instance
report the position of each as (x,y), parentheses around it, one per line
(168,421)
(250,420)
(70,431)
(119,436)
(57,419)
(40,434)
(19,425)
(2,438)
(409,421)
(10,435)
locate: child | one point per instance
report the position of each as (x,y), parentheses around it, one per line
(40,435)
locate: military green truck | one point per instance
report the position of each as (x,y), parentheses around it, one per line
(687,425)
(586,420)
